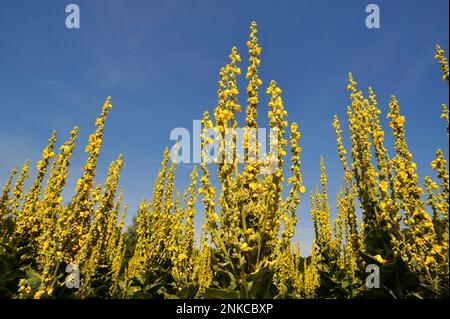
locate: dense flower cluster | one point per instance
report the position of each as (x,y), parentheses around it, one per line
(245,248)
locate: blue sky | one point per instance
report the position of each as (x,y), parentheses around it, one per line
(159,60)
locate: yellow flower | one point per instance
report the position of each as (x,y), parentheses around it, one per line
(380,259)
(294,127)
(403,175)
(437,249)
(400,121)
(39,294)
(434,164)
(384,186)
(47,154)
(244,247)
(429,260)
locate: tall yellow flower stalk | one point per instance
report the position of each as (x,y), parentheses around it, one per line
(310,277)
(346,204)
(438,194)
(335,252)
(441,167)
(177,252)
(272,200)
(320,211)
(226,238)
(165,217)
(349,256)
(96,254)
(50,247)
(287,277)
(286,257)
(439,204)
(247,231)
(445,116)
(183,249)
(17,191)
(137,263)
(225,124)
(30,217)
(113,228)
(154,224)
(207,190)
(375,185)
(4,199)
(251,188)
(118,256)
(443,62)
(252,95)
(363,169)
(422,236)
(202,273)
(80,210)
(9,203)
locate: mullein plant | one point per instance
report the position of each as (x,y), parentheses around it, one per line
(246,246)
(396,232)
(4,208)
(250,224)
(46,233)
(166,263)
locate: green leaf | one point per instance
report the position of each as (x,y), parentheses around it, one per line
(260,283)
(188,291)
(212,293)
